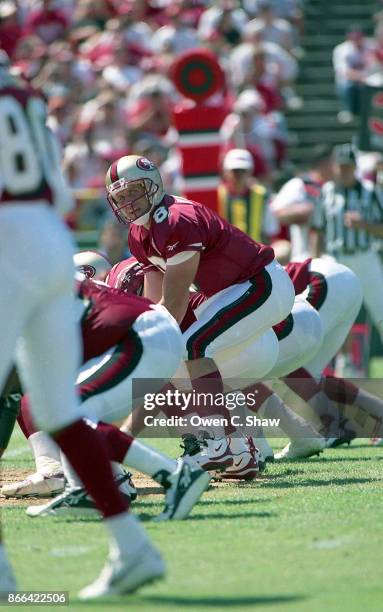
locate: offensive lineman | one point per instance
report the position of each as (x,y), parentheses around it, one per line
(124,336)
(327,302)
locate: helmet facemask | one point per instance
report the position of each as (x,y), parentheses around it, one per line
(124,207)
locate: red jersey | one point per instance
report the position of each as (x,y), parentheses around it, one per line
(299,272)
(228,256)
(108,316)
(27,162)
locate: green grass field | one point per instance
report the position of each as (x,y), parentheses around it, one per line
(306,537)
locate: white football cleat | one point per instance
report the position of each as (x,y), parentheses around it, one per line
(245,459)
(245,467)
(187,485)
(35,485)
(301,449)
(75,501)
(207,453)
(122,575)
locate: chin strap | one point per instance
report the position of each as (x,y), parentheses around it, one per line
(143,219)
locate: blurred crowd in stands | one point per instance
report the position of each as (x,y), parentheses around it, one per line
(104,67)
(358,61)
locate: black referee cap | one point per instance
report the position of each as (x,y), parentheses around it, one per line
(344,154)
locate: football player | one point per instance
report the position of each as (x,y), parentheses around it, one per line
(298,336)
(181,243)
(36,269)
(328,299)
(124,337)
(183,485)
(335,292)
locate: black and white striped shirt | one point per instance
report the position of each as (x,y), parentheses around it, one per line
(329,212)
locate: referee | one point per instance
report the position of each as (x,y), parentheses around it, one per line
(348,221)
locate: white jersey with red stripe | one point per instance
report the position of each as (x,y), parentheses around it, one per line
(29,152)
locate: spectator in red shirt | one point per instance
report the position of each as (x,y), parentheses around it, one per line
(10,28)
(47,23)
(257,76)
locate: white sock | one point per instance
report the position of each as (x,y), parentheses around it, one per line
(128,536)
(73,481)
(46,453)
(291,423)
(323,405)
(72,478)
(147,460)
(371,404)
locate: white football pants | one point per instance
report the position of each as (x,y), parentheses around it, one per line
(37,311)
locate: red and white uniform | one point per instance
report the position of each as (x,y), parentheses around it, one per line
(336,293)
(36,266)
(245,288)
(125,337)
(326,304)
(250,359)
(328,299)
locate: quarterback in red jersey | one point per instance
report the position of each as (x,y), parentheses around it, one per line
(183,243)
(298,336)
(180,243)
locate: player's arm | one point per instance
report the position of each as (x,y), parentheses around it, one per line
(353,220)
(298,213)
(176,282)
(316,243)
(153,285)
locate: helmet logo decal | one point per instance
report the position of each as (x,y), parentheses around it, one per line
(87,270)
(143,163)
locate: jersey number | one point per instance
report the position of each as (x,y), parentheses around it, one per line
(26,152)
(160,214)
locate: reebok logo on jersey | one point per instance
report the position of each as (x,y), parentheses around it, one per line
(171,247)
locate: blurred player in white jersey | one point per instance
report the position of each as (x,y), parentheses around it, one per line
(36,269)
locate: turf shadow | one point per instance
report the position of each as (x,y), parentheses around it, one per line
(231,515)
(328,459)
(216,515)
(318,483)
(211,502)
(222,602)
(180,602)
